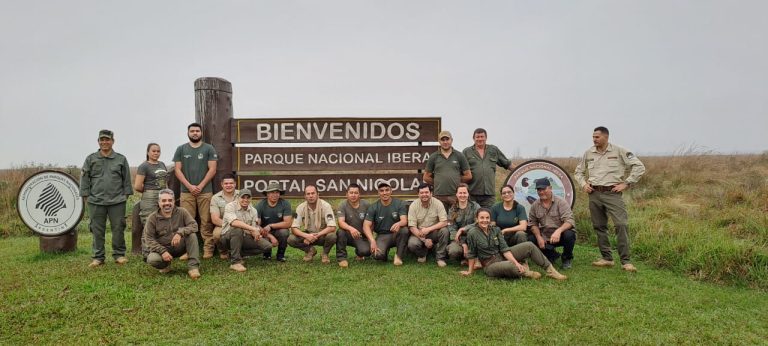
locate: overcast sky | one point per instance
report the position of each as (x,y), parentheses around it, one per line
(661,75)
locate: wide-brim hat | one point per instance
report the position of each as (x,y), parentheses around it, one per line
(273,186)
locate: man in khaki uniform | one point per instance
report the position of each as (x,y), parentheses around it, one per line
(171,232)
(483,159)
(446,169)
(219,201)
(316,217)
(428,223)
(605,165)
(240,231)
(551,220)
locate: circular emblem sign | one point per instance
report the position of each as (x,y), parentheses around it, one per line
(523,176)
(49,203)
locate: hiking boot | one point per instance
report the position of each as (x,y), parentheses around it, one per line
(165,270)
(422,259)
(397,261)
(567,263)
(441,263)
(602,263)
(552,272)
(343,263)
(629,267)
(325,259)
(238,267)
(207,254)
(184,257)
(532,274)
(279,259)
(194,274)
(224,255)
(310,254)
(121,260)
(95,263)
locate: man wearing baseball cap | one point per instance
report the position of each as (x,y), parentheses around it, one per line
(388,218)
(551,220)
(105,183)
(241,232)
(446,168)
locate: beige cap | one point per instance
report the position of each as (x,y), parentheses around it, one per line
(444,134)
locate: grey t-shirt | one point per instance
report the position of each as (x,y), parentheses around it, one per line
(353,217)
(155,175)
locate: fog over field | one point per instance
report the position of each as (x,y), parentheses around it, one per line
(662,76)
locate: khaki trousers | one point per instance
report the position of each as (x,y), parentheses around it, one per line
(610,204)
(200,207)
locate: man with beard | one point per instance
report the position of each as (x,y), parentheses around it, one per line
(428,223)
(388,218)
(106,184)
(170,232)
(195,168)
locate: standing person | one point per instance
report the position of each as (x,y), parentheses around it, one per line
(427,222)
(316,217)
(460,217)
(446,168)
(387,217)
(150,179)
(510,217)
(486,244)
(240,231)
(350,217)
(276,219)
(483,159)
(606,164)
(552,223)
(195,168)
(105,182)
(170,232)
(219,201)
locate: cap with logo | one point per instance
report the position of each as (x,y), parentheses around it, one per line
(542,183)
(444,134)
(106,134)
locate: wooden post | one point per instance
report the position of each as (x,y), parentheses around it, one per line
(213,110)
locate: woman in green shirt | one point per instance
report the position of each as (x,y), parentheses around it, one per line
(487,245)
(150,179)
(510,217)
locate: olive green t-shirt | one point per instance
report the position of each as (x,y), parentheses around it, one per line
(446,171)
(270,215)
(194,163)
(383,217)
(508,218)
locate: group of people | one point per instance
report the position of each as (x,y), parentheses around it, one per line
(455,216)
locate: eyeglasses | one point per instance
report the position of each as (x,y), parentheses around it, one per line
(506,192)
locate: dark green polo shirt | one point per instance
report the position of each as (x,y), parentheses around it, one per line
(383,217)
(446,171)
(270,215)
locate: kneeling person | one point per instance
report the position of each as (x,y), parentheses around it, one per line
(387,218)
(241,233)
(428,223)
(351,214)
(170,232)
(316,217)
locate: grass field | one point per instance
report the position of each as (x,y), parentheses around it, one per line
(699,230)
(57,299)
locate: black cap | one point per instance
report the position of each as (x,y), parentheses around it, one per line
(542,183)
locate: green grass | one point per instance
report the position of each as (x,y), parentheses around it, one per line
(57,299)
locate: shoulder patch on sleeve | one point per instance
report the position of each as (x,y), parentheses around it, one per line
(630,155)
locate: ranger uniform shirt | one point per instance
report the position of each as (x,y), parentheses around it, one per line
(419,216)
(383,217)
(446,171)
(609,168)
(159,230)
(507,218)
(548,220)
(484,169)
(233,211)
(313,221)
(270,215)
(105,180)
(353,217)
(218,202)
(483,245)
(194,163)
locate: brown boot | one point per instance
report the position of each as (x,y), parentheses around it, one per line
(531,274)
(194,274)
(310,254)
(343,264)
(553,273)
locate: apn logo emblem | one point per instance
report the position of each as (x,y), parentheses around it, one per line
(50,202)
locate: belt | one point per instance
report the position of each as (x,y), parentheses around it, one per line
(603,188)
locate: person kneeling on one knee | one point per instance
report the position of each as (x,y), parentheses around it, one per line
(170,232)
